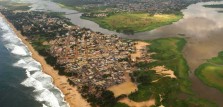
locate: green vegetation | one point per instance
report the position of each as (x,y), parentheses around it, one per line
(134,22)
(169,53)
(15,6)
(38,45)
(144,93)
(120,105)
(166,90)
(119,20)
(107,98)
(214,6)
(78,2)
(145,88)
(211,72)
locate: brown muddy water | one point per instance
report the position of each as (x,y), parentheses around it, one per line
(202,27)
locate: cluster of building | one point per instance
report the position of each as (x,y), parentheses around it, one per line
(93,59)
(49,25)
(155,6)
(90,58)
(103,14)
(150,6)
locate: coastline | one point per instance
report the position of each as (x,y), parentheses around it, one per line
(71,95)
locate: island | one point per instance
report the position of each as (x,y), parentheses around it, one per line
(211,72)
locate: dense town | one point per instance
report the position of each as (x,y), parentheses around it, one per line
(108,71)
(150,6)
(94,59)
(89,58)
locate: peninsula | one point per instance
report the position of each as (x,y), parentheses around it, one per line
(94,69)
(95,66)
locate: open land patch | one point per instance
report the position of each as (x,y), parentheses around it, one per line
(124,88)
(161,70)
(131,103)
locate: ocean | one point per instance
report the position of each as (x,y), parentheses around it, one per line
(22,82)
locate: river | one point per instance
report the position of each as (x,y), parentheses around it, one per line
(202,27)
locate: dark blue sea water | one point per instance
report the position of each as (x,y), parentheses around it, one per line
(12,93)
(22,82)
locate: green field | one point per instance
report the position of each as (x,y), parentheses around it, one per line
(169,53)
(136,22)
(14,6)
(211,72)
(145,89)
(120,105)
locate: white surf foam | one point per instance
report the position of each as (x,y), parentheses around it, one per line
(45,91)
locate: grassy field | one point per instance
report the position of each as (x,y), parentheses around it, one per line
(120,105)
(211,72)
(14,6)
(137,22)
(127,22)
(169,53)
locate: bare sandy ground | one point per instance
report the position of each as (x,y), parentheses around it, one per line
(138,104)
(72,96)
(139,46)
(163,71)
(128,87)
(124,88)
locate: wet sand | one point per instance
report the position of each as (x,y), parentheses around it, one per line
(72,96)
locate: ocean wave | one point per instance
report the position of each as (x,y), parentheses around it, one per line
(44,90)
(17,49)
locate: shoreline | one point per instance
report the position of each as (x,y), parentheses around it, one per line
(71,95)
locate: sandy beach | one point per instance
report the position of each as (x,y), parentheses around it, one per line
(72,96)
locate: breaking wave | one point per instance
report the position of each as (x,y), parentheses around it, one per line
(44,90)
